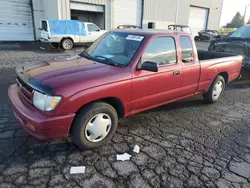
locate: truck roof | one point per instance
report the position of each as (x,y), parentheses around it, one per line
(150,32)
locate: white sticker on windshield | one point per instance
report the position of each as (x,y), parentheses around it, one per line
(135,37)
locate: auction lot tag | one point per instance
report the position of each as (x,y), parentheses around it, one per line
(134,37)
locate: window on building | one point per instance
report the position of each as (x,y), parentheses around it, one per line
(151,25)
(186,49)
(162,51)
(93,27)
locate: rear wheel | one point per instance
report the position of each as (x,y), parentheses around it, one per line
(67,44)
(94,125)
(215,90)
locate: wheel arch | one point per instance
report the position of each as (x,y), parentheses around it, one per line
(116,103)
(224,75)
(67,38)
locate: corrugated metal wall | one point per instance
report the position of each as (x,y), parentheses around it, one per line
(163,12)
(38,12)
(215,14)
(159,10)
(97,2)
(64,10)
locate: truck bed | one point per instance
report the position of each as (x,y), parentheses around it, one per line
(206,55)
(214,63)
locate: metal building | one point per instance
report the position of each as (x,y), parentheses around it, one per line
(20,19)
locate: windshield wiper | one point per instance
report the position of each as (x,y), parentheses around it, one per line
(108,61)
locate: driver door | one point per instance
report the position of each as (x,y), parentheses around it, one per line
(151,89)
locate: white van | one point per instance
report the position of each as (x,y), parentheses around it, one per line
(65,33)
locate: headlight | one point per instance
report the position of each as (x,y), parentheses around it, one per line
(45,102)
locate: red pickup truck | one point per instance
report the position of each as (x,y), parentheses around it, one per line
(122,73)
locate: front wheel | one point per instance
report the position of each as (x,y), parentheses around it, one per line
(215,90)
(94,125)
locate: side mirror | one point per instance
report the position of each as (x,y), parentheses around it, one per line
(150,66)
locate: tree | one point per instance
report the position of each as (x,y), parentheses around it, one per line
(237,21)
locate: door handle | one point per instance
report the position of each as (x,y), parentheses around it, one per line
(176,73)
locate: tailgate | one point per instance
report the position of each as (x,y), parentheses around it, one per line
(44,35)
(44,31)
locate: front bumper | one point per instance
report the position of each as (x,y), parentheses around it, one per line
(35,123)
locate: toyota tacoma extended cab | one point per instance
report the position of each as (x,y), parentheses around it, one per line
(122,73)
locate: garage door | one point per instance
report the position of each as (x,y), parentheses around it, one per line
(197,19)
(88,13)
(86,7)
(127,12)
(16,20)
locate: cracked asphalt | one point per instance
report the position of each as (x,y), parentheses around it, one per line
(183,144)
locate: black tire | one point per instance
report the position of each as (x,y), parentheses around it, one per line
(209,95)
(84,116)
(67,44)
(196,38)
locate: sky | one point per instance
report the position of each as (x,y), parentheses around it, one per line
(230,7)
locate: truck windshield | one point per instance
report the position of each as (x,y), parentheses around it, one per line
(115,48)
(242,32)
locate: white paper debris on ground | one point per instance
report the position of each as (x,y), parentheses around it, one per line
(123,157)
(136,149)
(42,48)
(77,170)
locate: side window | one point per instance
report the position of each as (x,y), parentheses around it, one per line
(161,50)
(186,49)
(93,27)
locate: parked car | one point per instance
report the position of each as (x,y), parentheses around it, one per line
(66,33)
(237,43)
(207,35)
(128,27)
(184,28)
(124,72)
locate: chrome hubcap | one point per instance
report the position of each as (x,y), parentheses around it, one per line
(218,88)
(98,127)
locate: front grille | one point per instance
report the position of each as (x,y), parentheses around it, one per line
(26,91)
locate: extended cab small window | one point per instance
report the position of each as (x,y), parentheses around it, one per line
(92,27)
(186,49)
(162,51)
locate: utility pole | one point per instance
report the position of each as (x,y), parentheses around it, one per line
(177,11)
(245,14)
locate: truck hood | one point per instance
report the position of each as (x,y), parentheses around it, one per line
(74,73)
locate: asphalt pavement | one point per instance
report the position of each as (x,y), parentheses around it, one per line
(183,144)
